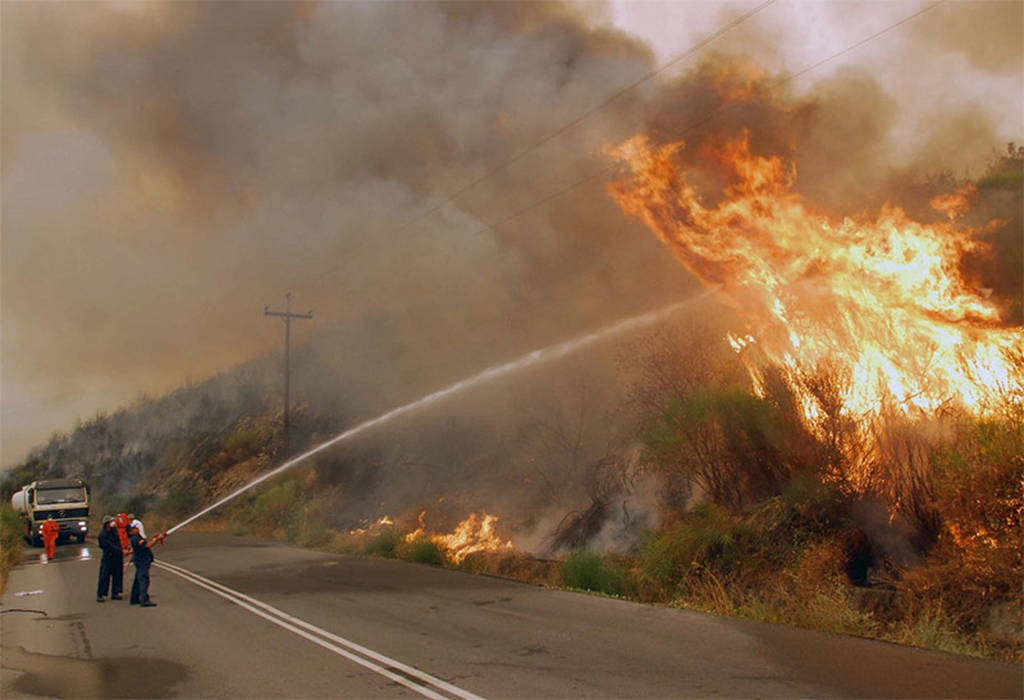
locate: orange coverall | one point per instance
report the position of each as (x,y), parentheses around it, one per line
(50,531)
(121,522)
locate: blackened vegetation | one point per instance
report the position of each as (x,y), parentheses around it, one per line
(579,527)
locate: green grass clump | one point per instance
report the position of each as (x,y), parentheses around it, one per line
(383,544)
(11,541)
(933,629)
(707,536)
(1005,180)
(275,510)
(589,571)
(244,440)
(423,551)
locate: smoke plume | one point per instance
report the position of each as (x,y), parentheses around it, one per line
(170,169)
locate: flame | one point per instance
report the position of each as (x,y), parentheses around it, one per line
(955,204)
(883,301)
(474,534)
(737,80)
(375,527)
(420,531)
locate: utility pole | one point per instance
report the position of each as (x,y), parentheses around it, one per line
(287,315)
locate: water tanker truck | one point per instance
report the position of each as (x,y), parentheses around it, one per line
(63,500)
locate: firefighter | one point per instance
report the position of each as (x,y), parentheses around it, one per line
(121,523)
(142,558)
(112,563)
(50,531)
(136,523)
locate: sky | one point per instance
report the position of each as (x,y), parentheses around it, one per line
(169,169)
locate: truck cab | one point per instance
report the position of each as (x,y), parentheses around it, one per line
(64,500)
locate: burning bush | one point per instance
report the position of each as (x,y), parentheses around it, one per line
(881,303)
(973,574)
(883,366)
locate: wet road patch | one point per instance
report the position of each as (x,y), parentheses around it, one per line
(68,677)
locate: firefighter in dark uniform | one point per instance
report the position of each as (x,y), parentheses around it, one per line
(142,558)
(112,563)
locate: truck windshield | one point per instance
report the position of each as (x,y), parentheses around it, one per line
(47,496)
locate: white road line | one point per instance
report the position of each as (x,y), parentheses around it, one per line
(300,627)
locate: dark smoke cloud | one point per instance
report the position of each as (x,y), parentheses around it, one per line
(196,160)
(987,33)
(169,169)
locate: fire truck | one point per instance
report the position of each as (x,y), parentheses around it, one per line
(63,500)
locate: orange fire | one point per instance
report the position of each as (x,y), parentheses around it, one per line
(374,528)
(955,204)
(474,534)
(882,302)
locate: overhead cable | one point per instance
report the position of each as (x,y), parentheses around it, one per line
(710,115)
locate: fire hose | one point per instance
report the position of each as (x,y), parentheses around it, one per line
(157,539)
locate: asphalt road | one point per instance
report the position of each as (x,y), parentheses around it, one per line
(266,620)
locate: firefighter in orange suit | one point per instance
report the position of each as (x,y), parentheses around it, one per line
(121,523)
(50,531)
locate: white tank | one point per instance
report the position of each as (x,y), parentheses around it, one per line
(19,501)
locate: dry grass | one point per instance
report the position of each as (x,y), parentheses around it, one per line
(11,542)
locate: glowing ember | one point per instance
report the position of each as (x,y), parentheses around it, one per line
(881,303)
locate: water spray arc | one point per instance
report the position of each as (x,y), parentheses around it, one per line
(537,356)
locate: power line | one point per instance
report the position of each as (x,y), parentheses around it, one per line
(583,117)
(860,43)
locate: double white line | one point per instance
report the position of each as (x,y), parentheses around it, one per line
(412,678)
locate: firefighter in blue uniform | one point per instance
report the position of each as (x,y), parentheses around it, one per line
(142,558)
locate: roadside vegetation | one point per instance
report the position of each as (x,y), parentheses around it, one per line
(752,519)
(11,542)
(753,524)
(904,530)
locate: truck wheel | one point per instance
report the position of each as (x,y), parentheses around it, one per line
(80,538)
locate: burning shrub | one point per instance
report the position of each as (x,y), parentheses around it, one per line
(976,567)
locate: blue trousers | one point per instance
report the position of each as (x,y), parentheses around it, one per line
(111,572)
(140,586)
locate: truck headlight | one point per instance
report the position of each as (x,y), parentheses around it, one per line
(81,523)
